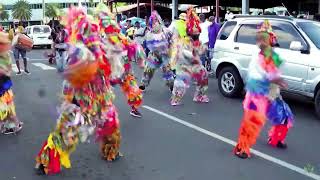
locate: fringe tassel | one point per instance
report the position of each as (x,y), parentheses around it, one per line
(249,130)
(278,133)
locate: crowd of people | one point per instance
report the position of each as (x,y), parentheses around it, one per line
(96,54)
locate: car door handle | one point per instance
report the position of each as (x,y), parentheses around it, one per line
(312,69)
(236,48)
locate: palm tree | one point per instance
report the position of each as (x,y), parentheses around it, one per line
(52,11)
(4,15)
(21,10)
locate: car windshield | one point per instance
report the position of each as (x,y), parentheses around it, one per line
(312,29)
(41,30)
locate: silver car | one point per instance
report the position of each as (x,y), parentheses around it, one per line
(298,45)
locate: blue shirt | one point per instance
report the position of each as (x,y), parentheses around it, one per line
(213,31)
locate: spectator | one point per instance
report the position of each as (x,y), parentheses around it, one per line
(130,30)
(228,15)
(61,47)
(17,52)
(213,33)
(204,38)
(139,33)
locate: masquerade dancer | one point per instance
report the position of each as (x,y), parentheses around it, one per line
(124,50)
(263,99)
(158,44)
(186,59)
(9,123)
(87,105)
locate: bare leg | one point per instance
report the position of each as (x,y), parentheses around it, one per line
(18,66)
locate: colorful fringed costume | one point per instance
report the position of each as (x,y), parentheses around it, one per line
(9,122)
(158,44)
(87,105)
(263,100)
(186,59)
(126,51)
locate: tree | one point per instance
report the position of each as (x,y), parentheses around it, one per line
(52,11)
(21,10)
(4,15)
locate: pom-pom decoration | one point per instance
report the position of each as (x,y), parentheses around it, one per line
(82,66)
(193,22)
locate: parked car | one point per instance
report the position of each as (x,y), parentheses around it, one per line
(298,46)
(40,34)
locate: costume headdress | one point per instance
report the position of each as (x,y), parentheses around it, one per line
(84,47)
(193,22)
(266,27)
(106,19)
(155,22)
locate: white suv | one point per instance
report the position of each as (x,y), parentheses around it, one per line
(298,46)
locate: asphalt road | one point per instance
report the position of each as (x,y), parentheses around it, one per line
(168,143)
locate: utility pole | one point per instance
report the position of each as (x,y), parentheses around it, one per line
(152,5)
(174,9)
(217,11)
(138,8)
(43,11)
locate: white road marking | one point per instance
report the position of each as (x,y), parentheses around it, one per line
(233,143)
(14,68)
(44,66)
(31,59)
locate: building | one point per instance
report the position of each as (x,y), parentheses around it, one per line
(37,8)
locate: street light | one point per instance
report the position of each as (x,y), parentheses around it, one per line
(43,11)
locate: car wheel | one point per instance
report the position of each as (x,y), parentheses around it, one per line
(317,103)
(230,82)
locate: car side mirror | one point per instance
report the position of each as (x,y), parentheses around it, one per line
(296,46)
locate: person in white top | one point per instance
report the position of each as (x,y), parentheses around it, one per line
(139,33)
(204,38)
(229,15)
(204,25)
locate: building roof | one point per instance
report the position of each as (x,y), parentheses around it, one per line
(11,2)
(263,4)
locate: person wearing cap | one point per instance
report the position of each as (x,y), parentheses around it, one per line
(17,52)
(178,31)
(263,100)
(178,27)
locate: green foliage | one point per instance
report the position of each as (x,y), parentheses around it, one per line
(21,10)
(52,10)
(4,15)
(309,168)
